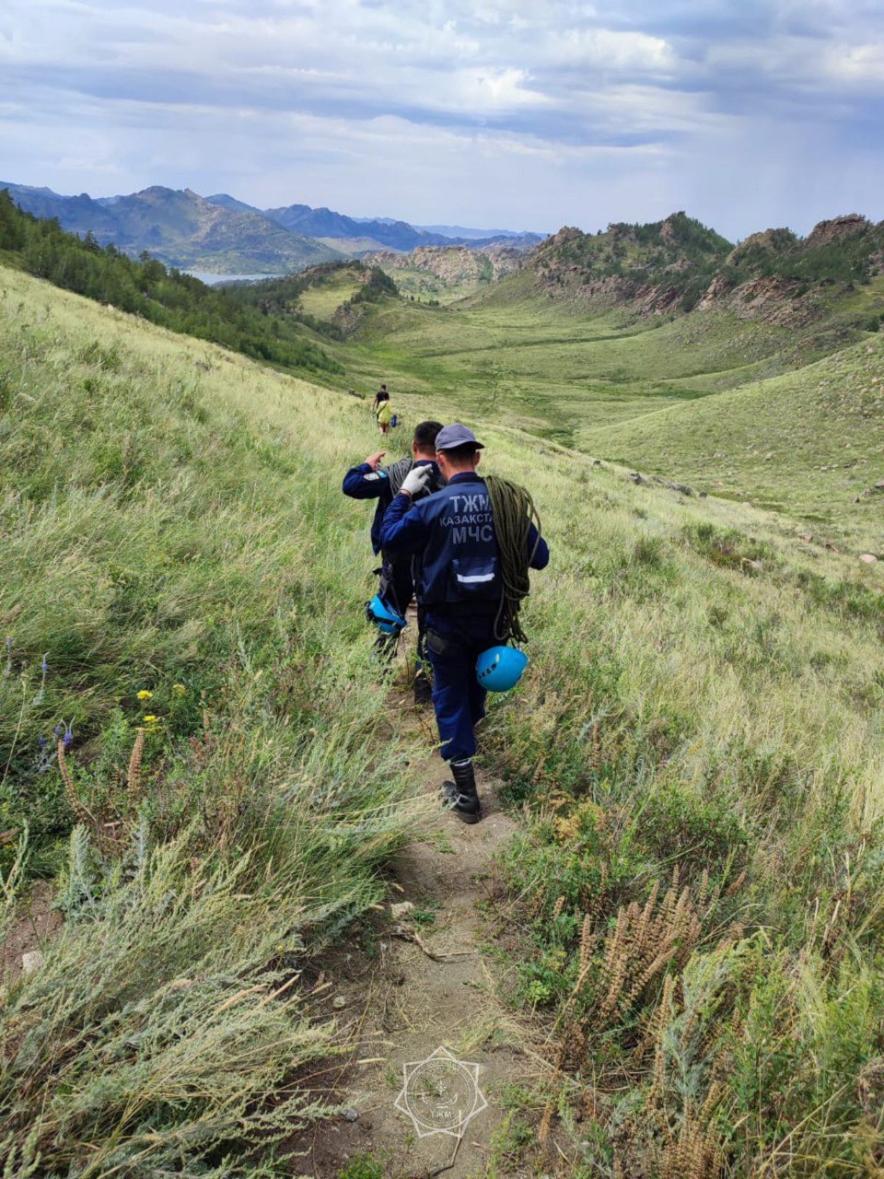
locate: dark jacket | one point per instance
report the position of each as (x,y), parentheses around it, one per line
(451,535)
(361,482)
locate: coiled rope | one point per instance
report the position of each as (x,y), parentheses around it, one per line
(514,512)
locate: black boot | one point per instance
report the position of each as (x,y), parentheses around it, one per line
(423,688)
(461,794)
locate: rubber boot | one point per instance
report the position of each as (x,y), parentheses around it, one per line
(461,794)
(423,687)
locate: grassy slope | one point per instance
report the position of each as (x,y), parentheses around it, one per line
(806,443)
(323,299)
(171,515)
(704,694)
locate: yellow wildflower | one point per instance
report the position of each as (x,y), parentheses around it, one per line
(150,719)
(179,689)
(144,694)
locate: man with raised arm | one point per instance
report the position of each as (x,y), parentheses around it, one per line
(455,541)
(370,480)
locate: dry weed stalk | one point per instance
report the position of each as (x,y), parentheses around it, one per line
(643,944)
(694,1154)
(83,814)
(133,774)
(586,943)
(737,884)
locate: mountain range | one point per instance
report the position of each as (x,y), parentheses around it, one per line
(224,235)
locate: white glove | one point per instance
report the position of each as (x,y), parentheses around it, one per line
(416,480)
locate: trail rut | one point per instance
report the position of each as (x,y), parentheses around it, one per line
(414,997)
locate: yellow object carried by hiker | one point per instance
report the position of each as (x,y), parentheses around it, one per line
(385,415)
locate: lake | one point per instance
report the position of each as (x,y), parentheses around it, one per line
(213,280)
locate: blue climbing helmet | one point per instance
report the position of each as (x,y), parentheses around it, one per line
(500,668)
(384,617)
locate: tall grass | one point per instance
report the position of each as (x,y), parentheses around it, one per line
(696,751)
(720,721)
(181,590)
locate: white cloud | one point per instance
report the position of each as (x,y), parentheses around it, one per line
(431,108)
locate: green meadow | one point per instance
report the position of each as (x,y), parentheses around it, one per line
(695,757)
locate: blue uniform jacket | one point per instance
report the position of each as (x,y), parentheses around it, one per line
(451,534)
(361,482)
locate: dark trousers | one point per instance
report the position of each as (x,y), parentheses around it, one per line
(453,646)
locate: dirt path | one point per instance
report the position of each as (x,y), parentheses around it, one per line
(414,997)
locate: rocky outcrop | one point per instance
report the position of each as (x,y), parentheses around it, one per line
(774,300)
(715,292)
(838,228)
(453,265)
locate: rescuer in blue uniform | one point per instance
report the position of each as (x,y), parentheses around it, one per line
(369,480)
(457,569)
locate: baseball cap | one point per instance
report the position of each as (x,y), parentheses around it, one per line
(455,435)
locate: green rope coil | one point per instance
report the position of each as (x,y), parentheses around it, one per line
(514,513)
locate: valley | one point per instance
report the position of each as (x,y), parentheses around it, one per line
(736,407)
(665,958)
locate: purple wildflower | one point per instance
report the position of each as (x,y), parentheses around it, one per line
(68,738)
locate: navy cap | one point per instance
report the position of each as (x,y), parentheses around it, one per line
(450,437)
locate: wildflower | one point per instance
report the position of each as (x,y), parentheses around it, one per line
(151,721)
(144,694)
(179,689)
(68,738)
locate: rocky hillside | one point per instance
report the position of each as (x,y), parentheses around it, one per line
(784,279)
(445,272)
(678,264)
(664,266)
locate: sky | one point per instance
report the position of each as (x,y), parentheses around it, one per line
(521,114)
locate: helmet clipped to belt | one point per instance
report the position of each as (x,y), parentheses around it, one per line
(500,668)
(384,617)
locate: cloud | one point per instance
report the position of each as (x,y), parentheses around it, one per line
(431,109)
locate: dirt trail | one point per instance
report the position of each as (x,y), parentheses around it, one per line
(412,999)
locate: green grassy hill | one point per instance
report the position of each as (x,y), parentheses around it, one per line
(807,443)
(698,740)
(322,299)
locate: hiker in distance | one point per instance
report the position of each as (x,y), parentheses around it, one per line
(382,409)
(381,395)
(370,480)
(473,543)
